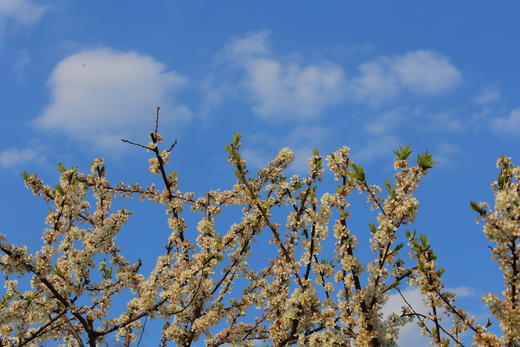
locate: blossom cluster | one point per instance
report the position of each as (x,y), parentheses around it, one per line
(300,296)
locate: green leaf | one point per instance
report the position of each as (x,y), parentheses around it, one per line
(502,180)
(101,170)
(315,152)
(25,175)
(425,161)
(107,271)
(372,228)
(61,168)
(475,207)
(403,152)
(229,150)
(358,173)
(57,271)
(59,189)
(389,188)
(126,212)
(424,241)
(398,247)
(5,300)
(420,264)
(396,284)
(238,174)
(236,139)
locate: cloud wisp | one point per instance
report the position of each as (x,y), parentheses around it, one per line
(421,72)
(19,12)
(282,87)
(101,95)
(488,95)
(509,124)
(14,157)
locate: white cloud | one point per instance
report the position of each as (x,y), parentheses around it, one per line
(283,88)
(426,72)
(247,46)
(101,95)
(509,124)
(420,72)
(291,90)
(488,95)
(13,157)
(463,291)
(23,12)
(374,82)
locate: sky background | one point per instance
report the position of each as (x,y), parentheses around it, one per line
(441,76)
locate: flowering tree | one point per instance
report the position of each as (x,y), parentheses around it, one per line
(299,297)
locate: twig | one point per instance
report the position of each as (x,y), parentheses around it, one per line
(157,111)
(171,147)
(136,144)
(142,331)
(74,332)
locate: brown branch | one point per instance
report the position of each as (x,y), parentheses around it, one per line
(311,248)
(172,146)
(157,112)
(136,144)
(514,266)
(398,279)
(142,331)
(75,333)
(42,328)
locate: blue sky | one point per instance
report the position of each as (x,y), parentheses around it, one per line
(442,76)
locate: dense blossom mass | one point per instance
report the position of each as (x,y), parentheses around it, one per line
(300,297)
